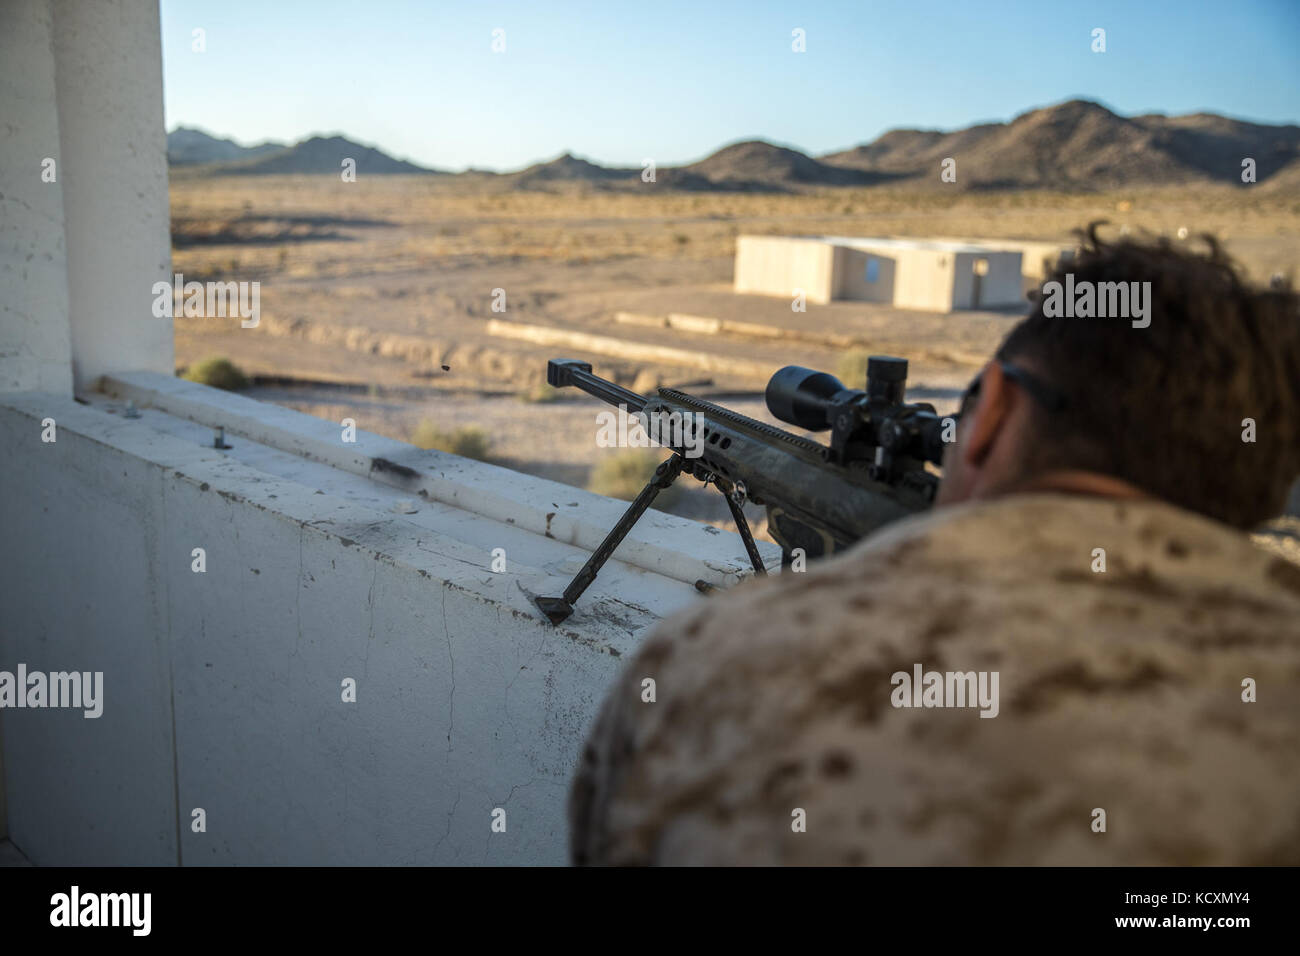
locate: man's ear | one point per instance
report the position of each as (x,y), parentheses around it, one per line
(988,417)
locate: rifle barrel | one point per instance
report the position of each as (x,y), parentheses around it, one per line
(561,372)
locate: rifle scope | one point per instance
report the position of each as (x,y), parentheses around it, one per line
(876,417)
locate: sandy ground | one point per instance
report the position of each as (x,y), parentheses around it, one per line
(377,296)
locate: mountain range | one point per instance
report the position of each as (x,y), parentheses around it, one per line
(1075,145)
(319,154)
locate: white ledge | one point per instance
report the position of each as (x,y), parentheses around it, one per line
(665,544)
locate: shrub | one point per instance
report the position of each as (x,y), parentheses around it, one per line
(540,394)
(468,442)
(624,473)
(217,372)
(851,369)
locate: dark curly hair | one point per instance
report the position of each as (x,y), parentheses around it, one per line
(1164,407)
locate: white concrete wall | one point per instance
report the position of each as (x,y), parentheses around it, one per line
(80,590)
(223,689)
(851,275)
(778,265)
(1001,287)
(924,279)
(35,341)
(1037,257)
(4,809)
(112,154)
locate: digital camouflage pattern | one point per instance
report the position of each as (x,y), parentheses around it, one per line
(1120,690)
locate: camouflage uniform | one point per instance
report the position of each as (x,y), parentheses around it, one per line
(1120,689)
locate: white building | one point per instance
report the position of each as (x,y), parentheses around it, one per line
(930,274)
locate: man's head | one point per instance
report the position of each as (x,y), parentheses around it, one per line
(1116,406)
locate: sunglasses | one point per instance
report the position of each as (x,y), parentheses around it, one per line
(1039,390)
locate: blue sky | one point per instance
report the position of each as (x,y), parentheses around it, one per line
(618,82)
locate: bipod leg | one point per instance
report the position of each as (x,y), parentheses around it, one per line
(745,535)
(558,609)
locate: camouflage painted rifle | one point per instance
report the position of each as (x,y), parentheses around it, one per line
(819,498)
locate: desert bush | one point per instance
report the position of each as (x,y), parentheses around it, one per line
(851,369)
(540,394)
(622,474)
(468,441)
(217,372)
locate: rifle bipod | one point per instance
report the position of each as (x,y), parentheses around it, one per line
(557,609)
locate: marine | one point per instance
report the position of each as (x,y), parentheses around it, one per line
(1128,732)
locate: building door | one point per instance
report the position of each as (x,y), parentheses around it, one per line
(981,269)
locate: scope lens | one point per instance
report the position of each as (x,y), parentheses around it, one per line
(801,396)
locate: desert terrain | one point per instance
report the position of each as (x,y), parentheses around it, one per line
(377,295)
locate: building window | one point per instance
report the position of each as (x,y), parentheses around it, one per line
(873,268)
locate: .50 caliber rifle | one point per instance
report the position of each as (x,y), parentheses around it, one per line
(819,498)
